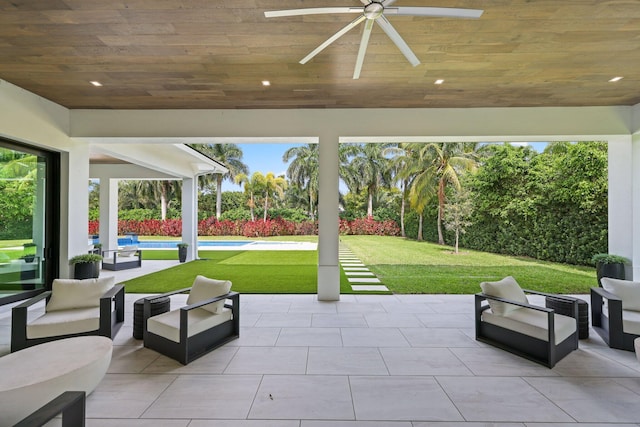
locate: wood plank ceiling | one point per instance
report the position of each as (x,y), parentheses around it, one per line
(156,54)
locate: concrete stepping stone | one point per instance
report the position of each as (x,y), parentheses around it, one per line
(359,273)
(369,288)
(363,280)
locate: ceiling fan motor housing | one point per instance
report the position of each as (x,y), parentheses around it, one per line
(373,10)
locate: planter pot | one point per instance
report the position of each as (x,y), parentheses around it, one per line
(614,271)
(86,270)
(182,254)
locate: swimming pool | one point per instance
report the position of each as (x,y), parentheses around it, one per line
(224,244)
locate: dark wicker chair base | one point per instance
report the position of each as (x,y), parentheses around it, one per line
(540,351)
(191,348)
(608,324)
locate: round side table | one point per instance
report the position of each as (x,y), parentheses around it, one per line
(158,306)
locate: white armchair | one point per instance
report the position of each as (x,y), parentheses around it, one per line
(210,319)
(508,321)
(615,312)
(74,308)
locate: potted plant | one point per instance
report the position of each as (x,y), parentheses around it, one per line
(97,248)
(609,265)
(182,251)
(86,266)
(29,252)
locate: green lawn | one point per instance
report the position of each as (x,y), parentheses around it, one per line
(404,266)
(408,266)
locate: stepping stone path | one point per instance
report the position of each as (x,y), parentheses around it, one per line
(359,276)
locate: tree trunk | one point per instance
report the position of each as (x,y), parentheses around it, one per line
(311,214)
(440,211)
(163,201)
(266,205)
(420,227)
(370,205)
(251,204)
(218,196)
(457,239)
(402,233)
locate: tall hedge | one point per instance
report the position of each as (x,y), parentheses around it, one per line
(550,206)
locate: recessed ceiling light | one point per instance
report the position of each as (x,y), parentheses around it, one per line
(438,82)
(96,83)
(266,83)
(616,79)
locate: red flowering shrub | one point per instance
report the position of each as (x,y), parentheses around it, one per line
(369,226)
(270,227)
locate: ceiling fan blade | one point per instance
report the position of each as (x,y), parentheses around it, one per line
(311,11)
(395,37)
(333,38)
(364,42)
(444,12)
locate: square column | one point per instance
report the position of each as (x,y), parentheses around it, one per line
(190,216)
(623,210)
(109,213)
(328,221)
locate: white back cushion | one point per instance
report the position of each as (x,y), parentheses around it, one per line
(506,288)
(128,250)
(71,293)
(626,290)
(204,288)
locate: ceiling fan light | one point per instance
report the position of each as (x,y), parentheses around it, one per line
(266,83)
(438,82)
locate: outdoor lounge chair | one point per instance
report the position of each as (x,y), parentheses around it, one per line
(210,319)
(122,259)
(509,322)
(74,308)
(615,312)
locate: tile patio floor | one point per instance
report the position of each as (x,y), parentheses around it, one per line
(366,361)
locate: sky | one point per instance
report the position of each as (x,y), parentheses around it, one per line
(262,158)
(266,158)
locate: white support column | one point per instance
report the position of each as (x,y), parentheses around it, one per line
(190,216)
(328,238)
(623,210)
(74,206)
(109,213)
(635,220)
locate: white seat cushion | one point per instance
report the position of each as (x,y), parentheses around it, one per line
(631,322)
(532,323)
(506,288)
(168,324)
(63,322)
(204,288)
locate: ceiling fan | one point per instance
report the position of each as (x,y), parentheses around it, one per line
(374,11)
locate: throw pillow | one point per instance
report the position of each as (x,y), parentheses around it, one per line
(506,288)
(204,288)
(71,293)
(626,290)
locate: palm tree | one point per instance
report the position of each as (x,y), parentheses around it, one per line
(230,155)
(444,162)
(303,172)
(252,186)
(272,185)
(402,170)
(369,170)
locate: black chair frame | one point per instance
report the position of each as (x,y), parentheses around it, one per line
(111,319)
(191,348)
(121,262)
(70,404)
(546,353)
(608,324)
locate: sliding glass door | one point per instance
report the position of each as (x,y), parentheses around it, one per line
(29,194)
